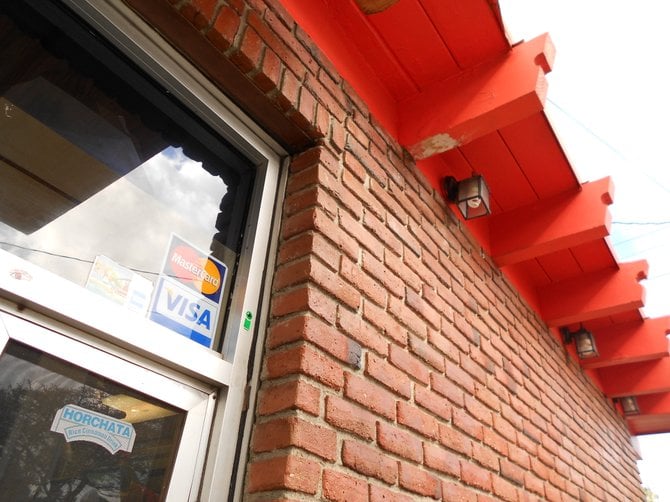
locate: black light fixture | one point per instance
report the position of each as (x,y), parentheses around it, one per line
(471,195)
(585,342)
(629,405)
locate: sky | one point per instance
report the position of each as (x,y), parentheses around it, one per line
(609,104)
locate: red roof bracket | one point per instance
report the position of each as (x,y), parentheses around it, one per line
(597,294)
(649,377)
(477,102)
(551,225)
(654,403)
(648,424)
(631,342)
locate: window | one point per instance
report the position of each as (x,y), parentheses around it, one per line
(136,209)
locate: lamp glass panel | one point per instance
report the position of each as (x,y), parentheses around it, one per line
(585,343)
(473,197)
(629,405)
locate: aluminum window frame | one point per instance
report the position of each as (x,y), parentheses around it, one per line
(197,403)
(141,44)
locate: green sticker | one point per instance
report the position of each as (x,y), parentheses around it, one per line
(247,320)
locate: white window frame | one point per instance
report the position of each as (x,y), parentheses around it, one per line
(157,345)
(197,403)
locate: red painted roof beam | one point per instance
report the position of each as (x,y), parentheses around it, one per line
(593,295)
(553,224)
(478,101)
(654,404)
(631,342)
(636,379)
(648,424)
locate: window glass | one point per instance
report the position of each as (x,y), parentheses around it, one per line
(107,181)
(67,434)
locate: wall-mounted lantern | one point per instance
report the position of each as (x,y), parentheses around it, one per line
(585,342)
(471,195)
(629,405)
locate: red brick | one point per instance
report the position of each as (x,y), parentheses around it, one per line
(441,459)
(312,243)
(512,472)
(295,394)
(323,120)
(358,188)
(314,196)
(370,395)
(539,468)
(313,270)
(414,262)
(401,358)
(371,164)
(381,494)
(533,483)
(432,402)
(379,228)
(248,56)
(400,442)
(222,34)
(370,288)
(352,228)
(485,456)
(387,375)
(269,74)
(392,202)
(369,461)
(293,431)
(460,377)
(496,441)
(419,481)
(519,456)
(504,428)
(199,12)
(444,345)
(307,104)
(340,487)
(474,475)
(307,361)
(446,388)
(470,366)
(376,268)
(412,417)
(337,133)
(466,423)
(314,330)
(349,417)
(354,326)
(455,440)
(381,319)
(479,411)
(454,492)
(305,298)
(407,317)
(402,232)
(428,354)
(286,472)
(393,261)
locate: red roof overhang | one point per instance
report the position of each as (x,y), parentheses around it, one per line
(442,78)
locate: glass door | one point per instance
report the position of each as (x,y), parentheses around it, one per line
(81,424)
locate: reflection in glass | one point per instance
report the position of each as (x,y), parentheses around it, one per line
(37,463)
(97,161)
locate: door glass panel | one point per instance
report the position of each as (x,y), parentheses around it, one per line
(67,434)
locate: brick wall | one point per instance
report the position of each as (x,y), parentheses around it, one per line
(399,363)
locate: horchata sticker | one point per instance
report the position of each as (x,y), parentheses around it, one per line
(188,294)
(79,424)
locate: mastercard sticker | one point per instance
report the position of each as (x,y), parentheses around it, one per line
(198,271)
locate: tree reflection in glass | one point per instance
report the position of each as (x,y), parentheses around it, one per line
(39,464)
